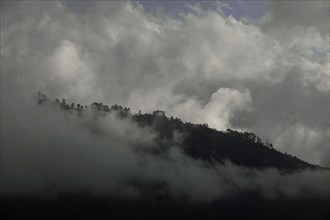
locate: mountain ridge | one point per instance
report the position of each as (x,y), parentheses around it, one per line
(199,142)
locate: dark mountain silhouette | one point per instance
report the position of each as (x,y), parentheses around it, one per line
(201,142)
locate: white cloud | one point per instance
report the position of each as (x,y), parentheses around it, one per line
(204,67)
(218,111)
(298,140)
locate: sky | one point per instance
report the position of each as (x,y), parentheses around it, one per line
(249,10)
(257,66)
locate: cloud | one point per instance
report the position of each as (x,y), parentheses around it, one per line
(218,111)
(270,79)
(288,14)
(46,152)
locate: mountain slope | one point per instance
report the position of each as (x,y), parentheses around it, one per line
(199,141)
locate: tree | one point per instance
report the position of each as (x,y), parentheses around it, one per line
(63,104)
(158,113)
(97,106)
(106,108)
(41,98)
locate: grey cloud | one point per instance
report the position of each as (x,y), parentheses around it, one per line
(289,14)
(45,152)
(203,68)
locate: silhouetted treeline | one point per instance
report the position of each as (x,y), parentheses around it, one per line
(201,142)
(195,140)
(198,140)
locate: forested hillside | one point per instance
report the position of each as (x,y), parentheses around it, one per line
(198,140)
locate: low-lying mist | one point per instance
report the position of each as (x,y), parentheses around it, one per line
(46,152)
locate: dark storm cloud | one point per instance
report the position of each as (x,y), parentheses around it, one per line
(203,68)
